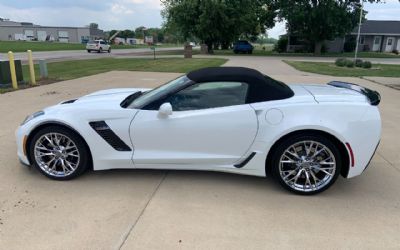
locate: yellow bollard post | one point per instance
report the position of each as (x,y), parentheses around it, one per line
(31,67)
(12,70)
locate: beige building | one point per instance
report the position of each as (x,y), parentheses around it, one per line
(14,31)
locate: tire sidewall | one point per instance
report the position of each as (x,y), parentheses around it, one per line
(292,140)
(82,148)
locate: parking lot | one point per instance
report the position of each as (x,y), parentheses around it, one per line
(143,209)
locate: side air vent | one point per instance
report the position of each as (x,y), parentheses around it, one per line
(109,136)
(245,161)
(69,101)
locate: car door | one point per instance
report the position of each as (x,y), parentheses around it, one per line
(210,125)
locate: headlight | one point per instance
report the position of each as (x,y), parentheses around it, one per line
(32,116)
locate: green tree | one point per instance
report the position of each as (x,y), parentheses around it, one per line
(319,20)
(127,34)
(218,22)
(93,26)
(140,31)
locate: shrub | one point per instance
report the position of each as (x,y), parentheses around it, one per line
(281,45)
(350,63)
(396,51)
(340,62)
(367,65)
(359,63)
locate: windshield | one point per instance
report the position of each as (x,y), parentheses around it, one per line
(157,93)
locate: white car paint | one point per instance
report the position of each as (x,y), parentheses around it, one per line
(98,45)
(217,138)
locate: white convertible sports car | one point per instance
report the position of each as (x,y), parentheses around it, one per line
(226,119)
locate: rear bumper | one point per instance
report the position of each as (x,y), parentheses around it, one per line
(364,139)
(369,162)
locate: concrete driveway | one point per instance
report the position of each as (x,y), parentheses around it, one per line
(136,209)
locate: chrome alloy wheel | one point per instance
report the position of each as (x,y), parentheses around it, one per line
(56,154)
(307,166)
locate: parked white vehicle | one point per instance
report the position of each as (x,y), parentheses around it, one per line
(226,119)
(98,45)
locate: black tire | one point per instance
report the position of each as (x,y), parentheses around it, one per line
(284,145)
(109,50)
(84,154)
(100,50)
(250,52)
(235,51)
(89,51)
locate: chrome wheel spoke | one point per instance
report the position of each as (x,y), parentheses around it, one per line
(307,166)
(56,154)
(307,182)
(289,174)
(316,179)
(326,163)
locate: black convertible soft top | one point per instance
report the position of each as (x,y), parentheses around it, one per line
(261,87)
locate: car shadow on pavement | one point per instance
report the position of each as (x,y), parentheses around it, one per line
(186,178)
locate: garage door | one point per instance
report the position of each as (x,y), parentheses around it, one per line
(41,35)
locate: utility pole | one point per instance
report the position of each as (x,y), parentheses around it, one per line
(359,29)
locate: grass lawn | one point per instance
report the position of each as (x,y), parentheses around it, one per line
(22,46)
(268,52)
(60,71)
(67,70)
(324,68)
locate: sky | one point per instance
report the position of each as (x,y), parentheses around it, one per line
(128,14)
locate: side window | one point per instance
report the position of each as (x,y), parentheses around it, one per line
(209,95)
(101,42)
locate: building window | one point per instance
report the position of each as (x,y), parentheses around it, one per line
(63,36)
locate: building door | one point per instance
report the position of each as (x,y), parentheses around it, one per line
(41,35)
(398,45)
(389,44)
(377,43)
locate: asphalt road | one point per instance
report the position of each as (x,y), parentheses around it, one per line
(137,209)
(82,54)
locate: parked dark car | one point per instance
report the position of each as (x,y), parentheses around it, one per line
(243,46)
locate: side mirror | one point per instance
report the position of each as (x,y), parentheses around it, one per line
(165,110)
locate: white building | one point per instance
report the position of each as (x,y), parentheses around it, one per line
(10,30)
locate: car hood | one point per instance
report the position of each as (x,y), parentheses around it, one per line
(327,93)
(110,97)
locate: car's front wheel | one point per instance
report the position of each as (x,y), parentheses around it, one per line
(59,153)
(306,164)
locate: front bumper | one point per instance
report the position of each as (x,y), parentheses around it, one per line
(21,137)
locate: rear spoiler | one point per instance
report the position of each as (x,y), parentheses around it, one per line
(373,96)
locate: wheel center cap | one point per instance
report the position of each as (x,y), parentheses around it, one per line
(58,153)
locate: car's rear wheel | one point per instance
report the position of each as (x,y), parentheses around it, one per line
(306,164)
(59,153)
(100,50)
(109,50)
(88,50)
